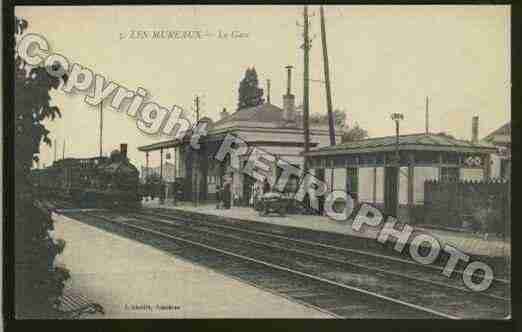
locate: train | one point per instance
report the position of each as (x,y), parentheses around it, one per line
(91,182)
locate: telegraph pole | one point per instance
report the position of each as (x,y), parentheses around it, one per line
(306,89)
(161,164)
(63,150)
(101,128)
(327,80)
(196,102)
(146,165)
(196,187)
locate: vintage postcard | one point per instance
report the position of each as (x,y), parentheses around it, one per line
(262,162)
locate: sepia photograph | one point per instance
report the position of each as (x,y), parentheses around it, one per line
(261,161)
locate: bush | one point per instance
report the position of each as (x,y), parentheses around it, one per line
(39,282)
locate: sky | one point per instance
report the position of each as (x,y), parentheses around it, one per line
(383,59)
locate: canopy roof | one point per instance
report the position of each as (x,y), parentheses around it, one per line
(426,142)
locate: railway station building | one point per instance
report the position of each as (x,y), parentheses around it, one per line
(501,160)
(275,130)
(368,169)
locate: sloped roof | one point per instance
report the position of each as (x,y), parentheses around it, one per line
(424,141)
(503,130)
(265,113)
(262,113)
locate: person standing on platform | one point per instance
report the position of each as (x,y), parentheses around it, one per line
(218,196)
(257,192)
(266,186)
(162,189)
(227,193)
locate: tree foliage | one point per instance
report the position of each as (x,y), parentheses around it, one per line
(39,282)
(249,92)
(349,134)
(322,119)
(355,133)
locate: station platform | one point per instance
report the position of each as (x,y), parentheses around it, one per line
(472,244)
(132,280)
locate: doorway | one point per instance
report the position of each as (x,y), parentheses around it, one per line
(320,175)
(352,183)
(248,184)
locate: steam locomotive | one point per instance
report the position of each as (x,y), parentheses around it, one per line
(91,182)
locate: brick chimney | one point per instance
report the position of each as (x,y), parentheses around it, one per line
(474,129)
(289,98)
(268,91)
(123,150)
(223,114)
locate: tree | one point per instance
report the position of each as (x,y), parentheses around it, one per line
(249,92)
(355,133)
(39,282)
(322,119)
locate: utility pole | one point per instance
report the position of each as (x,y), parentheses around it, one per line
(397,117)
(306,88)
(397,156)
(162,188)
(63,150)
(101,128)
(196,103)
(161,164)
(196,169)
(146,165)
(427,116)
(327,80)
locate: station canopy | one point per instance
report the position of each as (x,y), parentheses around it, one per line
(422,142)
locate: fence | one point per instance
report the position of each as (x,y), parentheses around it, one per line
(482,206)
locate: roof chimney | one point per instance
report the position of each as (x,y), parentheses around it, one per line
(223,114)
(474,129)
(289,98)
(289,80)
(123,150)
(268,91)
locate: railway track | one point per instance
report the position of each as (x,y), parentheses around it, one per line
(501,266)
(378,263)
(341,289)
